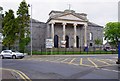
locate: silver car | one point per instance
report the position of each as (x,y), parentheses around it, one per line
(11,54)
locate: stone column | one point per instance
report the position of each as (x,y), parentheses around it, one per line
(52,31)
(48,30)
(64,31)
(85,35)
(75,32)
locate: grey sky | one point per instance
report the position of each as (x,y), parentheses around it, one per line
(99,11)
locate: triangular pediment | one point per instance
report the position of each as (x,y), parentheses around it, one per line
(70,17)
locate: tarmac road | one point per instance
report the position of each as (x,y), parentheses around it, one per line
(66,67)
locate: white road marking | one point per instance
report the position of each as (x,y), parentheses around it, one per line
(110,70)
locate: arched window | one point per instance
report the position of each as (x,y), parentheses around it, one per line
(67,41)
(56,41)
(77,41)
(91,36)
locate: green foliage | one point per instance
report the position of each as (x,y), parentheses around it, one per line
(98,42)
(23,21)
(72,53)
(112,32)
(10,29)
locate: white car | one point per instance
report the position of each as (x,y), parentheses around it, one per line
(11,54)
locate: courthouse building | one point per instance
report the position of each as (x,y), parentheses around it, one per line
(73,28)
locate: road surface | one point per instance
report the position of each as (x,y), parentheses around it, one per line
(66,67)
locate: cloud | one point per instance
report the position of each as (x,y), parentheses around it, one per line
(99,12)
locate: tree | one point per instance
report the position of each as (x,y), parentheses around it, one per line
(10,29)
(112,32)
(98,42)
(23,20)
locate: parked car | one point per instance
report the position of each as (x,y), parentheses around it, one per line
(110,49)
(11,54)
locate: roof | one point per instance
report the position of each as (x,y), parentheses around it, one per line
(55,14)
(93,24)
(67,11)
(36,21)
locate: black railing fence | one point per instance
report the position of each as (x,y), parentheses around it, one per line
(69,51)
(66,51)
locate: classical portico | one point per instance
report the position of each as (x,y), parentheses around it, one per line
(68,26)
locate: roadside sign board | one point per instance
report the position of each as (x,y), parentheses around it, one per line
(49,43)
(63,44)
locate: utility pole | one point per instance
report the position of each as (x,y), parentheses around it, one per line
(31,26)
(1,36)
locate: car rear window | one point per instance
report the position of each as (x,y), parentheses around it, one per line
(6,51)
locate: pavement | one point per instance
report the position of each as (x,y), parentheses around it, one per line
(7,75)
(12,75)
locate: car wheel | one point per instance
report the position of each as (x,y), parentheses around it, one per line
(2,57)
(13,57)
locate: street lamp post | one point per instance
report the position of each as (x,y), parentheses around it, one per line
(31,26)
(118,62)
(1,11)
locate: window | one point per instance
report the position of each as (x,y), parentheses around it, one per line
(77,41)
(91,44)
(56,41)
(67,41)
(91,36)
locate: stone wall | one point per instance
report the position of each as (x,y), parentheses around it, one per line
(38,35)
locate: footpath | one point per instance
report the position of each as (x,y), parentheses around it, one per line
(6,75)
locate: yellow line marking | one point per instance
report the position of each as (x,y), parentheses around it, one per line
(21,74)
(107,65)
(71,60)
(103,62)
(74,64)
(92,62)
(88,65)
(81,59)
(24,75)
(15,72)
(64,60)
(58,59)
(109,60)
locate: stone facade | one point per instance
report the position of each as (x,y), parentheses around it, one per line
(74,28)
(38,35)
(97,33)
